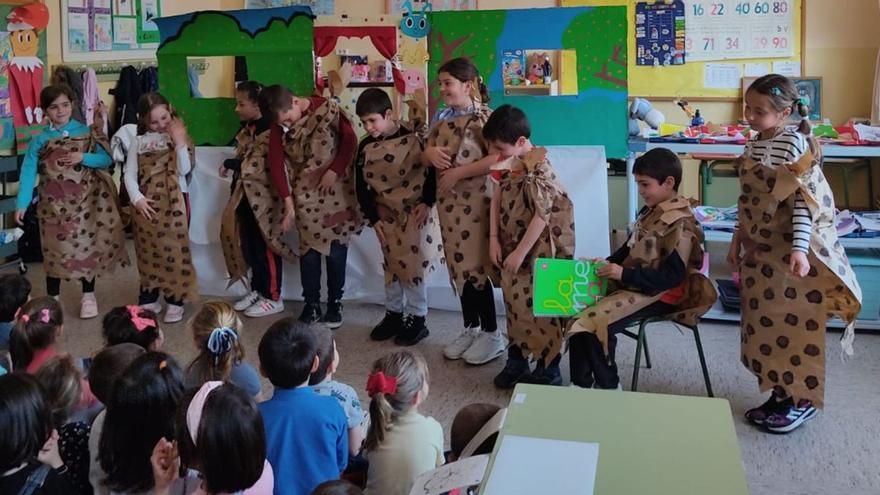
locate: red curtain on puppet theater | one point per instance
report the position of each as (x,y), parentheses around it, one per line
(384,38)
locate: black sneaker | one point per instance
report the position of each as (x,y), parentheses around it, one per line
(389,327)
(311,313)
(759,415)
(791,418)
(544,376)
(514,372)
(414,330)
(333,316)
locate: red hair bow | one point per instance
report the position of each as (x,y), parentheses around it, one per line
(139,323)
(379,383)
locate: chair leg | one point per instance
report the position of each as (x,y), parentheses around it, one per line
(647,354)
(696,331)
(640,342)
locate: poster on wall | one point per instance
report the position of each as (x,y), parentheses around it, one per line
(660,33)
(103,32)
(148,10)
(78,32)
(123,8)
(7,131)
(733,29)
(399,6)
(319,7)
(92,29)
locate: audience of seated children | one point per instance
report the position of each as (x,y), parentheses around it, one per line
(306,433)
(215,331)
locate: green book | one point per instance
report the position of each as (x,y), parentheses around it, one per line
(566,287)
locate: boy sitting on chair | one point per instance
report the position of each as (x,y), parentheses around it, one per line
(656,273)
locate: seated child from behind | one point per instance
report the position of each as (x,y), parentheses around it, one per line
(15,290)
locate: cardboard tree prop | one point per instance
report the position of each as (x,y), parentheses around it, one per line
(26,70)
(275,43)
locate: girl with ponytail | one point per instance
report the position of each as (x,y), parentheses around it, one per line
(401,444)
(32,341)
(215,330)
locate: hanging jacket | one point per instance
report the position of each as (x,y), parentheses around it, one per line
(127,93)
(92,98)
(149,78)
(63,74)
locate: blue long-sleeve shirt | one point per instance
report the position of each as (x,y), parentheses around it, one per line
(99,159)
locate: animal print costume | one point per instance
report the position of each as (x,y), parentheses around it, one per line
(81,230)
(311,146)
(254,186)
(162,244)
(668,227)
(464,211)
(784,316)
(529,188)
(393,169)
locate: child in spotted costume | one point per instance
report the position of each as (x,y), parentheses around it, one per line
(656,273)
(532,217)
(396,193)
(81,229)
(260,209)
(320,147)
(794,271)
(155,177)
(455,146)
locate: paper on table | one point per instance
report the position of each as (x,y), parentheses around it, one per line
(756,69)
(459,474)
(787,68)
(722,76)
(528,465)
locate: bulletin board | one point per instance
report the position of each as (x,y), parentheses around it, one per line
(687,81)
(109,30)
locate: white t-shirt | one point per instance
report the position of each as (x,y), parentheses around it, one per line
(143,144)
(412,446)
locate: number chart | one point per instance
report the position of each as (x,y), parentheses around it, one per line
(731,29)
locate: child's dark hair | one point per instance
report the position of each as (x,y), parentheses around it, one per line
(464,70)
(108,365)
(506,125)
(146,104)
(326,346)
(337,487)
(467,423)
(26,420)
(230,446)
(35,329)
(61,380)
(251,88)
(14,292)
(139,413)
(371,101)
(658,164)
(216,320)
(411,373)
(119,326)
(287,352)
(784,95)
(273,100)
(51,93)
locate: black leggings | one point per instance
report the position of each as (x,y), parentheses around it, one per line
(587,359)
(149,296)
(53,285)
(478,307)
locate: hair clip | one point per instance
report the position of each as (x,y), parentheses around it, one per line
(24,317)
(220,342)
(140,324)
(163,364)
(44,315)
(379,383)
(803,100)
(775,91)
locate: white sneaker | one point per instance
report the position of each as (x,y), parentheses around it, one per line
(461,343)
(486,347)
(88,306)
(247,301)
(155,307)
(173,314)
(264,307)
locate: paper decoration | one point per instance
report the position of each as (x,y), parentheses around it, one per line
(723,76)
(787,68)
(660,33)
(730,29)
(513,66)
(25,70)
(319,7)
(124,8)
(125,31)
(398,6)
(415,24)
(93,26)
(566,287)
(103,32)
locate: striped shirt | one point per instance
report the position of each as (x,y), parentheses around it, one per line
(787,146)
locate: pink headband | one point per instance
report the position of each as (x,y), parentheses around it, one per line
(194,411)
(140,324)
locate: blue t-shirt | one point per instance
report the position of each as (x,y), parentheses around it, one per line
(306,439)
(347,398)
(5,330)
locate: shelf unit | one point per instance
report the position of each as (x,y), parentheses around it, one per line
(7,206)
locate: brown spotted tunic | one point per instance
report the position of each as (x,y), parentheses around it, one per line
(784,316)
(255,187)
(311,146)
(162,244)
(393,169)
(81,230)
(669,226)
(464,212)
(530,188)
